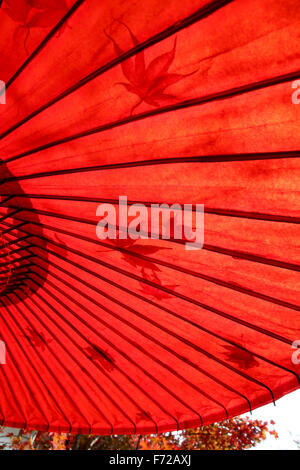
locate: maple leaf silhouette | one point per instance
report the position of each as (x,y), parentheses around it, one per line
(240,357)
(34,13)
(103,359)
(142,263)
(148,83)
(37,339)
(152,291)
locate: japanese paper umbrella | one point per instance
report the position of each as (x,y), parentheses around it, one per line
(162,102)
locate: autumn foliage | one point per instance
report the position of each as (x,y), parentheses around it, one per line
(233,434)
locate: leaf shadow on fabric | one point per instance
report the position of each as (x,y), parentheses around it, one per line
(33,14)
(101,358)
(148,83)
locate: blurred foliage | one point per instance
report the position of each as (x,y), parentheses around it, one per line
(232,434)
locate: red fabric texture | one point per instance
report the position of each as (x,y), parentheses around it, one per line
(164,102)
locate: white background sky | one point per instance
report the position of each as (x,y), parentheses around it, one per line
(286,415)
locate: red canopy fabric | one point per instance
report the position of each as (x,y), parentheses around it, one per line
(164,102)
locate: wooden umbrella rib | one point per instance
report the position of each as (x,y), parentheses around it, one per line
(224,95)
(169,291)
(63,388)
(161,327)
(45,41)
(206,353)
(210,210)
(209,247)
(197,367)
(166,161)
(201,13)
(110,344)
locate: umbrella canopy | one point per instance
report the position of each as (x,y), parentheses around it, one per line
(159,102)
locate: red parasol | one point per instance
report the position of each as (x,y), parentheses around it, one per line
(159,102)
